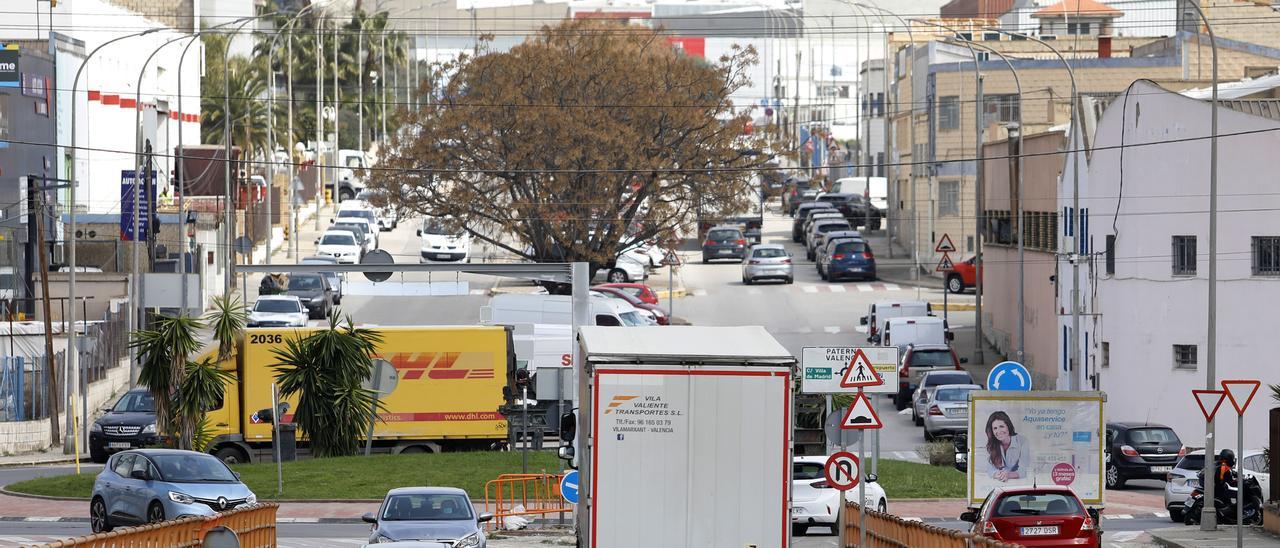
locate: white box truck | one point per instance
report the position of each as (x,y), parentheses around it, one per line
(688,437)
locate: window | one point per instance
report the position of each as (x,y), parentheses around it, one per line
(948,198)
(949,112)
(1266,255)
(803,471)
(1184,255)
(1079,28)
(1184,356)
(1111,255)
(1000,108)
(1106,354)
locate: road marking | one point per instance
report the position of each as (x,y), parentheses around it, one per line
(43,518)
(479,292)
(864,287)
(891,287)
(832,329)
(699,292)
(1164,515)
(1119,516)
(805,330)
(1126,536)
(810,288)
(921,520)
(836,288)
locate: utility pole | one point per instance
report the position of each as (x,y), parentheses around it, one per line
(38,218)
(980,203)
(319,119)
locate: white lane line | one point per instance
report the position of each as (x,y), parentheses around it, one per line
(836,288)
(43,518)
(891,287)
(832,329)
(864,287)
(810,288)
(1164,515)
(479,292)
(805,330)
(699,292)
(1118,516)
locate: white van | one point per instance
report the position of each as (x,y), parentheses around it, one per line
(442,243)
(879,194)
(917,330)
(882,311)
(511,309)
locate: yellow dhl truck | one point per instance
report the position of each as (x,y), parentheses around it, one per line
(449,385)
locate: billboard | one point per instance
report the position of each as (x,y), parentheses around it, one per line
(1036,438)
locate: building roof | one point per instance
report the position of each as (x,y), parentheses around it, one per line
(1239,89)
(1078,8)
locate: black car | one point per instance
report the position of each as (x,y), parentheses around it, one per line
(724,242)
(855,208)
(314,292)
(802,215)
(335,279)
(1139,450)
(129,424)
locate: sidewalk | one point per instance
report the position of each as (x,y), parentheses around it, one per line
(897,269)
(1224,537)
(49,456)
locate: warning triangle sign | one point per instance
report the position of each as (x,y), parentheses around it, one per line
(945,245)
(1209,402)
(1240,392)
(945,265)
(861,416)
(860,372)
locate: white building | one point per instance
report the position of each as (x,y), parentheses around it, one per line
(870,128)
(1145,198)
(1138,17)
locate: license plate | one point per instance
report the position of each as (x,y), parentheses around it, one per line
(724,251)
(1160,469)
(1039,531)
(441,256)
(118,445)
(796,510)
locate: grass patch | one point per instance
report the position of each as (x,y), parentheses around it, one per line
(346,477)
(910,480)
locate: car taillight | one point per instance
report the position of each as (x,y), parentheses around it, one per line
(837,256)
(1088,523)
(868,255)
(741,242)
(989,528)
(786,261)
(1128,451)
(709,242)
(933,410)
(753,261)
(1182,452)
(1195,493)
(820,485)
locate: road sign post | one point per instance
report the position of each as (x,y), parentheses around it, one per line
(1009,376)
(1240,393)
(825,367)
(945,265)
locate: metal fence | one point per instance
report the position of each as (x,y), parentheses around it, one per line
(24,381)
(253,527)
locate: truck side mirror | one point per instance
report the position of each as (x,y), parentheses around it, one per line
(862,321)
(565,452)
(951,336)
(419,232)
(568,427)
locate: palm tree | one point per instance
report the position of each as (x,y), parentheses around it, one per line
(247,89)
(326,369)
(163,352)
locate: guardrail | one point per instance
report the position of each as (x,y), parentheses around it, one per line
(535,494)
(888,530)
(254,526)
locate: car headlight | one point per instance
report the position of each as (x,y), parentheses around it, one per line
(181,498)
(95,427)
(469,541)
(149,429)
(251,499)
(381,538)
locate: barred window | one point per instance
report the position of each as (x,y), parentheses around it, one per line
(948,198)
(1266,255)
(1184,255)
(1184,356)
(949,112)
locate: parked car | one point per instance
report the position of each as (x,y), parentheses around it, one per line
(442,242)
(929,381)
(152,485)
(798,197)
(627,268)
(1139,450)
(855,208)
(429,514)
(801,215)
(130,423)
(641,291)
(921,359)
(768,262)
(336,281)
(340,245)
(947,411)
(1035,516)
(847,258)
(659,314)
(881,311)
(814,216)
(278,311)
(827,245)
(964,277)
(814,501)
(359,211)
(1182,479)
(368,242)
(723,242)
(314,292)
(377,200)
(818,231)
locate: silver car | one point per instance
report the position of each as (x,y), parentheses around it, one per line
(930,381)
(947,411)
(429,514)
(767,261)
(1182,479)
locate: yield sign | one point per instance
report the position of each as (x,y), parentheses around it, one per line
(842,470)
(860,372)
(1209,402)
(861,416)
(945,264)
(1240,392)
(945,245)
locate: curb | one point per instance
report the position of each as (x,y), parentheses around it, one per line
(676,293)
(955,307)
(84,459)
(5,491)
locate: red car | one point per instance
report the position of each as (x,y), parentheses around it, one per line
(1035,516)
(963,277)
(639,291)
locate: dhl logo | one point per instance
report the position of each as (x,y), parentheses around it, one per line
(617,402)
(442,366)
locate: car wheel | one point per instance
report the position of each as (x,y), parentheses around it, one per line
(917,418)
(883,507)
(809,255)
(618,276)
(798,529)
(928,436)
(155,512)
(746,280)
(705,260)
(98,520)
(1175,515)
(955,284)
(231,455)
(1115,480)
(899,402)
(345,194)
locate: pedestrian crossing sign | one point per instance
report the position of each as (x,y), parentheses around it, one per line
(860,372)
(945,265)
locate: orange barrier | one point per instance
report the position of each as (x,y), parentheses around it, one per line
(888,530)
(254,525)
(539,494)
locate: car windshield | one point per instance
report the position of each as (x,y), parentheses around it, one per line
(805,471)
(931,358)
(424,507)
(305,282)
(724,235)
(769,253)
(953,394)
(358,227)
(135,402)
(832,227)
(632,319)
(276,305)
(833,199)
(358,213)
(338,239)
(938,379)
(618,294)
(1192,462)
(1038,504)
(1152,436)
(851,247)
(193,468)
(436,228)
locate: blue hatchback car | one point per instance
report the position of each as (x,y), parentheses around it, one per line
(850,259)
(150,485)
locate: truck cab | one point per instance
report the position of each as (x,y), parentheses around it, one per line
(349,182)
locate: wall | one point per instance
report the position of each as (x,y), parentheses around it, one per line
(30,436)
(102,287)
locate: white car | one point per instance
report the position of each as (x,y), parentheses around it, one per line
(1183,478)
(368,239)
(442,243)
(340,245)
(278,311)
(629,267)
(814,502)
(359,211)
(388,216)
